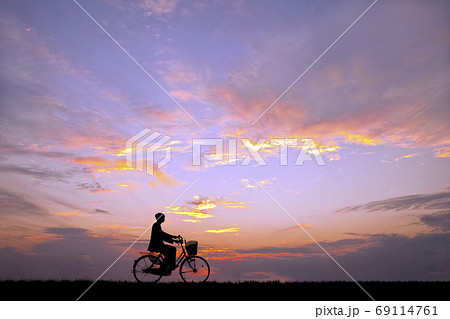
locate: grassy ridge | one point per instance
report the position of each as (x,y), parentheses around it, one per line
(249,290)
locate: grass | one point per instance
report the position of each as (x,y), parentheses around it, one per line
(248,290)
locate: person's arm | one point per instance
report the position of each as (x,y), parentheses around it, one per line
(168,237)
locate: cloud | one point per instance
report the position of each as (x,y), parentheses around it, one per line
(432,201)
(201,207)
(267,184)
(36,172)
(355,90)
(19,37)
(158,6)
(296,227)
(164,179)
(371,257)
(65,203)
(195,214)
(78,210)
(439,221)
(41,89)
(396,257)
(120,227)
(223,230)
(74,213)
(34,109)
(93,187)
(66,231)
(405,156)
(198,208)
(101,211)
(78,253)
(442,151)
(71,253)
(182,95)
(33,150)
(248,184)
(94,160)
(13,204)
(338,247)
(99,163)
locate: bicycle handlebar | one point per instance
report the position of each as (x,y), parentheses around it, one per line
(180,239)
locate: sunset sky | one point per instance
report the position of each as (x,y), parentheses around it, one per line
(376,104)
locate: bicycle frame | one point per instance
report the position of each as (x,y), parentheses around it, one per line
(183,254)
(192,268)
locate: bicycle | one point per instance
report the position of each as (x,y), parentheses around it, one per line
(193,268)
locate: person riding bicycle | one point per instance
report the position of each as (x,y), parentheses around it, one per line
(156,244)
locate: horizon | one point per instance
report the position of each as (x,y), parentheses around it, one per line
(375,104)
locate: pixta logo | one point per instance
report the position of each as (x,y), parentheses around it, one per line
(308,150)
(141,148)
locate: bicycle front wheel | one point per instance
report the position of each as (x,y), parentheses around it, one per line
(146,269)
(194,269)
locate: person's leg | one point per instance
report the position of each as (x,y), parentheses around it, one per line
(163,250)
(170,254)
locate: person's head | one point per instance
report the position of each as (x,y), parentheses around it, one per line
(160,218)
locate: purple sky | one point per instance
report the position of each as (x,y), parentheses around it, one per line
(376,104)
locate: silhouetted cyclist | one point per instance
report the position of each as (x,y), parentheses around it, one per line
(156,244)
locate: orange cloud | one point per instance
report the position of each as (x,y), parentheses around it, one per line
(405,156)
(92,160)
(234,204)
(297,226)
(101,141)
(44,237)
(361,139)
(164,179)
(201,208)
(445,154)
(191,220)
(442,152)
(349,106)
(248,184)
(220,231)
(192,213)
(333,157)
(266,183)
(75,213)
(101,164)
(181,95)
(116,226)
(231,255)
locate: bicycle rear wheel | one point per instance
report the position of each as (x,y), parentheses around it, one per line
(146,269)
(194,269)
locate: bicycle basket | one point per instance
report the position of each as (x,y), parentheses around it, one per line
(191,247)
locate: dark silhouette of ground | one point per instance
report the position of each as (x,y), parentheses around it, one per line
(246,291)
